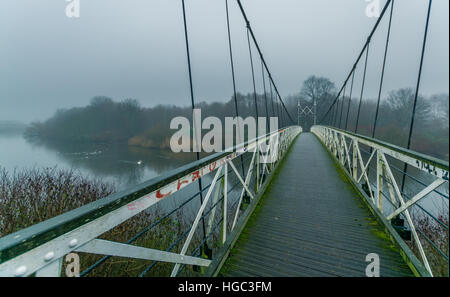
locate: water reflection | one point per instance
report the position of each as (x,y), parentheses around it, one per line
(118,163)
(122,165)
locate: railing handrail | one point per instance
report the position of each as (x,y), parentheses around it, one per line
(344,147)
(17,243)
(439,163)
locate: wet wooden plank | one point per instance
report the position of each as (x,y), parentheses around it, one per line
(311,222)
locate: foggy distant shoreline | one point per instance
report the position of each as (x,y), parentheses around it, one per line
(127,122)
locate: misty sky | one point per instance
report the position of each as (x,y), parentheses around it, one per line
(135,49)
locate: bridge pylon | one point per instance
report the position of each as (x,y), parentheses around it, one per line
(306,111)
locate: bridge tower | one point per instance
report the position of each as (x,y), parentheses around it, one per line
(306,111)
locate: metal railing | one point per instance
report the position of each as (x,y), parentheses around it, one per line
(347,148)
(39,250)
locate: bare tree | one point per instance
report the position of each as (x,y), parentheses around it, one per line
(318,90)
(439,108)
(400,103)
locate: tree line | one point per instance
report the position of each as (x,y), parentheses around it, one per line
(431,120)
(106,120)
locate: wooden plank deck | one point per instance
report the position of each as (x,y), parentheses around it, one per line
(311,222)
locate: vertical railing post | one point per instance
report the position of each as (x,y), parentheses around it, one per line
(212,215)
(355,159)
(379,181)
(257,166)
(336,144)
(225,204)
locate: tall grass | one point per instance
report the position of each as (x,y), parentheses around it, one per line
(31,196)
(34,195)
(435,232)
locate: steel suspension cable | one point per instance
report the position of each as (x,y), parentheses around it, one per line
(350,98)
(191,87)
(233,79)
(342,108)
(360,54)
(254,84)
(417,86)
(278,108)
(271,98)
(262,58)
(330,117)
(333,111)
(383,70)
(362,87)
(337,113)
(265,97)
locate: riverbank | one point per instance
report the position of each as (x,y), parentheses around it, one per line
(35,195)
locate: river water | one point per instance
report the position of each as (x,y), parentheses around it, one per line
(126,166)
(120,164)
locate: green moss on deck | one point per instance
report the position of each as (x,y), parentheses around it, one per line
(379,232)
(251,221)
(367,220)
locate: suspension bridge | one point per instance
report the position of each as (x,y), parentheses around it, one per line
(291,202)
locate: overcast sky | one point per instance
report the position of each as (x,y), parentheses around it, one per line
(135,49)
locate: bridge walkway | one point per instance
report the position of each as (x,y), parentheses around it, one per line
(311,222)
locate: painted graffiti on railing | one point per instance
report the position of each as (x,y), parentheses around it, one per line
(62,237)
